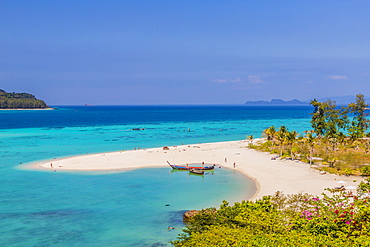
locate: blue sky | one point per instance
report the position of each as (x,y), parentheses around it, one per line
(184,52)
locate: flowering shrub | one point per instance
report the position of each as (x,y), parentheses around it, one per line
(295,220)
(335,216)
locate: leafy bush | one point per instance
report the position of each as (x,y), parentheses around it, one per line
(365,170)
(279,220)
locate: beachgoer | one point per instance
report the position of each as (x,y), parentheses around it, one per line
(170,228)
(51,165)
(234,165)
(225,160)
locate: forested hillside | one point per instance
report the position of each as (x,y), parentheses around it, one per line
(20,101)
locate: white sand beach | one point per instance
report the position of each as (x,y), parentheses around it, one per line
(269,175)
(28,109)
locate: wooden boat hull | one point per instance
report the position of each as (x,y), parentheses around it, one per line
(196,171)
(188,168)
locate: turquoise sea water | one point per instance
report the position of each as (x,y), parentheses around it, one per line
(118,209)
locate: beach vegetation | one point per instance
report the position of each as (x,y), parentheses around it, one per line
(336,218)
(337,143)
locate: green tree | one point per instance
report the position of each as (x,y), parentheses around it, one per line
(327,120)
(359,124)
(310,140)
(281,137)
(318,122)
(290,138)
(270,134)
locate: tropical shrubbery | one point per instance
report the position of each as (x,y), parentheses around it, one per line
(296,220)
(338,142)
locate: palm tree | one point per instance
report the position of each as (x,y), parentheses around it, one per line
(270,134)
(290,137)
(334,142)
(250,139)
(310,140)
(280,136)
(341,137)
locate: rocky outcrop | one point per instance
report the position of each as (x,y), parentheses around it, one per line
(190,214)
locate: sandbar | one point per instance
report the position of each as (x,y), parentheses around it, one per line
(269,175)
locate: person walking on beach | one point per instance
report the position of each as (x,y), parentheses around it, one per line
(234,165)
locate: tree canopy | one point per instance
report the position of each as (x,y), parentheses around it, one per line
(330,121)
(20,101)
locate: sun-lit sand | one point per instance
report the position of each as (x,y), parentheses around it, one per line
(27,109)
(270,175)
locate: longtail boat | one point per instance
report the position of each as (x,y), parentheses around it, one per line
(197,171)
(190,167)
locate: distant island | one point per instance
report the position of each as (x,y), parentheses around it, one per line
(276,102)
(340,100)
(20,101)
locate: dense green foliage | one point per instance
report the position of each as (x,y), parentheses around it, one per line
(331,122)
(358,125)
(20,101)
(338,142)
(279,220)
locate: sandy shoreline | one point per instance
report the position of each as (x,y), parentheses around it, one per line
(26,109)
(270,175)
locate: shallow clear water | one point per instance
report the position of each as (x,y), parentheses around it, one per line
(126,208)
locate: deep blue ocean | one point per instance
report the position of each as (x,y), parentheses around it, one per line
(130,208)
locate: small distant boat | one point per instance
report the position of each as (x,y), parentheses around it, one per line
(138,129)
(197,171)
(190,167)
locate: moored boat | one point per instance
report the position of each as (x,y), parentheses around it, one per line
(196,171)
(190,167)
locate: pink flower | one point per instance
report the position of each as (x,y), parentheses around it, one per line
(306,214)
